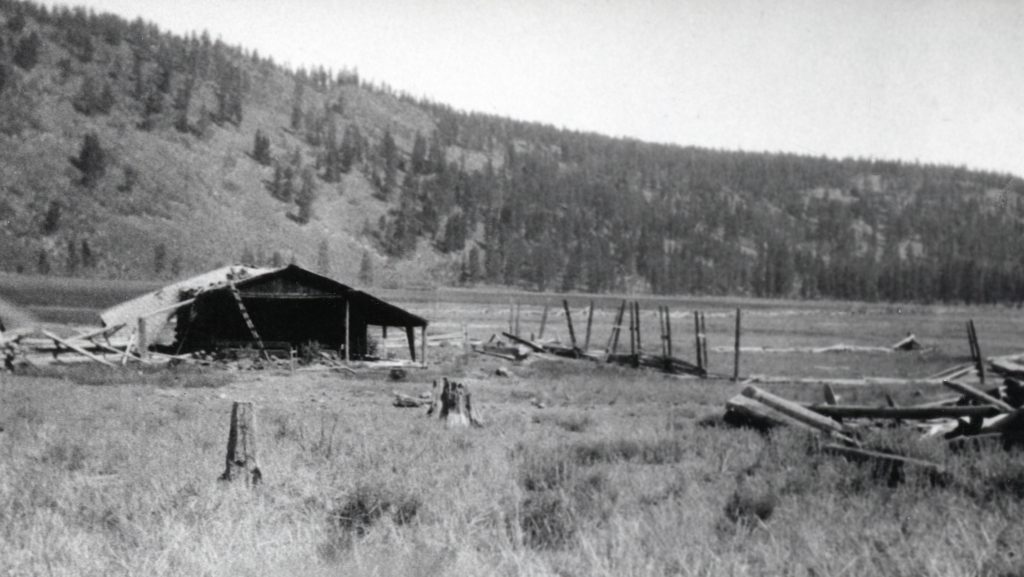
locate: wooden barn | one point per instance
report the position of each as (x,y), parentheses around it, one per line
(281,308)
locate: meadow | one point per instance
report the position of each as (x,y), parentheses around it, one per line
(621,473)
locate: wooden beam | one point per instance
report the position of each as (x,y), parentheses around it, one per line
(423,344)
(78,349)
(348,334)
(142,339)
(866,454)
(533,346)
(410,334)
(568,319)
(696,339)
(590,322)
(798,412)
(908,413)
(979,396)
(543,322)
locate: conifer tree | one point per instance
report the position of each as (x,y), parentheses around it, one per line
(91,160)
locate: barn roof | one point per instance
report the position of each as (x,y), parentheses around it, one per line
(376,311)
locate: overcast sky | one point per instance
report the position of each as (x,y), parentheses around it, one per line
(928,80)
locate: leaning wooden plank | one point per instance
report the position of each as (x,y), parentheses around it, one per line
(867,454)
(979,396)
(909,413)
(532,345)
(78,349)
(953,372)
(797,411)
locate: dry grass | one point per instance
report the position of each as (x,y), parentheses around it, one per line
(614,477)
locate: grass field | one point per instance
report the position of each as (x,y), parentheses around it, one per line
(621,472)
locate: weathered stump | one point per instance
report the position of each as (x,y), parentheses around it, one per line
(453,405)
(241,460)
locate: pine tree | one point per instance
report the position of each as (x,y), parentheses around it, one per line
(26,53)
(323,258)
(419,154)
(43,262)
(73,262)
(306,195)
(91,160)
(159,258)
(366,269)
(51,220)
(261,149)
(88,260)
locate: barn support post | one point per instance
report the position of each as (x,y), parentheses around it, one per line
(348,333)
(410,333)
(423,345)
(142,340)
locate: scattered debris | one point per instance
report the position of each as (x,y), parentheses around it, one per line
(502,372)
(397,374)
(405,401)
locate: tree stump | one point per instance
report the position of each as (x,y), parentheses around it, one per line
(241,460)
(453,405)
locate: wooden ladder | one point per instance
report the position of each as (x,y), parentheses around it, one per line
(248,320)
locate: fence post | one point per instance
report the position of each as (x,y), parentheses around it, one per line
(736,356)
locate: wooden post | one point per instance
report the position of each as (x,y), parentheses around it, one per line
(423,345)
(632,330)
(668,330)
(704,340)
(516,333)
(142,340)
(976,350)
(465,342)
(696,339)
(568,319)
(636,304)
(511,315)
(348,333)
(410,334)
(613,339)
(590,321)
(543,322)
(241,455)
(736,350)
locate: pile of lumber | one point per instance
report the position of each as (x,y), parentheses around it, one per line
(973,413)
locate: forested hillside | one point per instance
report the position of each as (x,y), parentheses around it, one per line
(127,152)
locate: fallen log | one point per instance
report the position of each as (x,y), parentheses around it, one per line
(908,413)
(741,411)
(800,413)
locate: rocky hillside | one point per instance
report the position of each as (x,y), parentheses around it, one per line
(126,152)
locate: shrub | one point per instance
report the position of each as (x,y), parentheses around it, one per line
(368,504)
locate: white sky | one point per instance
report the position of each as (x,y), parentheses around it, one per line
(928,80)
